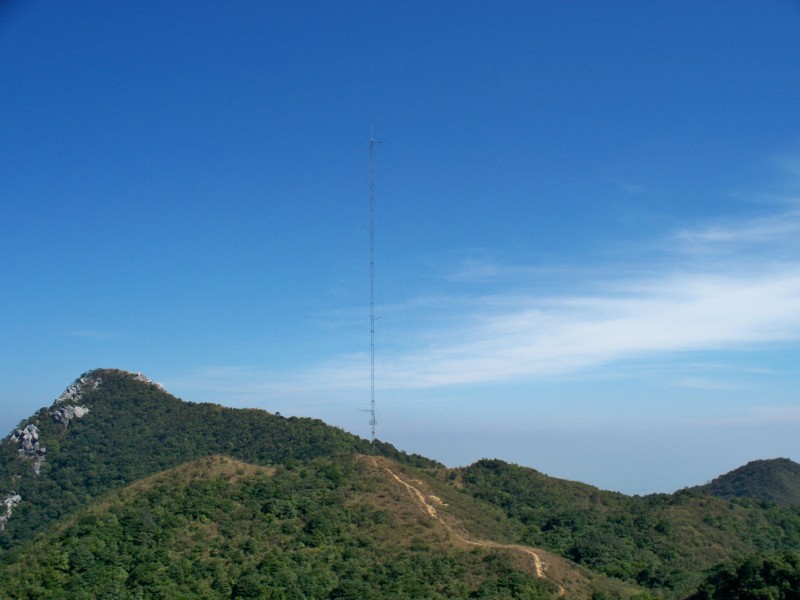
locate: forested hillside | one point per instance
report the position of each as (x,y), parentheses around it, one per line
(662,541)
(121,490)
(323,528)
(776,480)
(132,428)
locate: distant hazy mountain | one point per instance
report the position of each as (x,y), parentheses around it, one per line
(120,490)
(776,480)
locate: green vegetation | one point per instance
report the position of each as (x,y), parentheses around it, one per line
(776,480)
(217,528)
(662,542)
(148,496)
(134,429)
(761,577)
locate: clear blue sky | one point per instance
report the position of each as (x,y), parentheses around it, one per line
(588,220)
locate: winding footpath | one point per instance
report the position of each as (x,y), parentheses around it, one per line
(431,510)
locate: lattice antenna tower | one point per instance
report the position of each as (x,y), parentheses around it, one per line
(372,421)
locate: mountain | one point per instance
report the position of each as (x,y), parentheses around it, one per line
(359,527)
(120,490)
(111,428)
(664,542)
(776,480)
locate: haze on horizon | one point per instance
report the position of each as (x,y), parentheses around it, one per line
(588,221)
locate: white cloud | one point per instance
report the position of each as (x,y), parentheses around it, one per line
(543,337)
(773,231)
(744,302)
(675,314)
(707,383)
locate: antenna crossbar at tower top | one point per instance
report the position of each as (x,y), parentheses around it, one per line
(372,421)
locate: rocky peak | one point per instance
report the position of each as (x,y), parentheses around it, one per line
(75,391)
(93,379)
(70,405)
(66,407)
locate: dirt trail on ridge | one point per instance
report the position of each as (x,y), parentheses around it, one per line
(432,512)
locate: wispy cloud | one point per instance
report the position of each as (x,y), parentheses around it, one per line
(771,231)
(509,334)
(554,336)
(707,383)
(485,270)
(789,164)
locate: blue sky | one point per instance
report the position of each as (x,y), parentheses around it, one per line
(588,221)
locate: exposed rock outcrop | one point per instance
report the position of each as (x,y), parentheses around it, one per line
(65,414)
(29,446)
(74,393)
(65,408)
(144,378)
(70,405)
(7,505)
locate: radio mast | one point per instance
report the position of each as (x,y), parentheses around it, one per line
(372,420)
